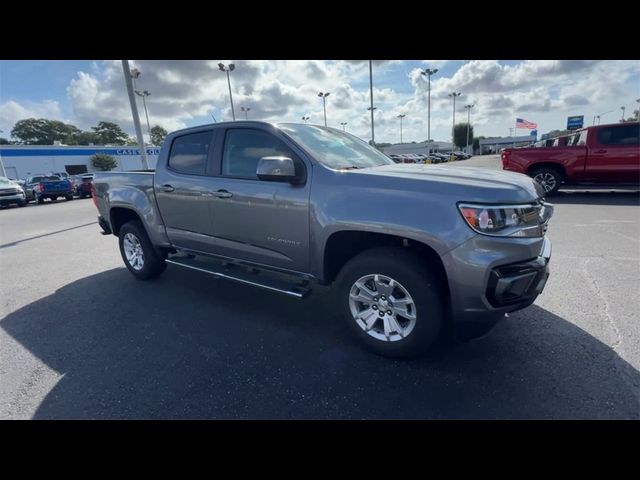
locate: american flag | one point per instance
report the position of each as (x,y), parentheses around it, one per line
(521,123)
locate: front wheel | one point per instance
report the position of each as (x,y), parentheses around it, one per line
(392,302)
(138,253)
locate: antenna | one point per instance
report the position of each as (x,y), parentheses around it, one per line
(214,118)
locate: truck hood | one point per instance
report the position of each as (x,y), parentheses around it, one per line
(471,183)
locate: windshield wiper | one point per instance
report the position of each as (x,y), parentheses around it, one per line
(351,167)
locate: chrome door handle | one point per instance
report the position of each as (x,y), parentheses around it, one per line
(222,194)
(166,188)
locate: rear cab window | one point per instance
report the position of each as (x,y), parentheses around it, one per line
(189,153)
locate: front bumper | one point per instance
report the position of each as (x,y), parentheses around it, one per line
(490,276)
(12,199)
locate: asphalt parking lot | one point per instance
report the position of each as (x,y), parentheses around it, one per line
(81,338)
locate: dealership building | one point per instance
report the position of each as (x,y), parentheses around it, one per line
(495,144)
(21,161)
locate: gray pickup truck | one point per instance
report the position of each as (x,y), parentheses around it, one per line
(414,253)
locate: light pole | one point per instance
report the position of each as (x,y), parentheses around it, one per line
(3,173)
(428,72)
(468,107)
(343,126)
(144,94)
(401,116)
(372,108)
(305,118)
(228,69)
(598,116)
(245,110)
(324,104)
(454,95)
(623,109)
(134,113)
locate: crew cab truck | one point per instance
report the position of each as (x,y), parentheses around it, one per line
(412,252)
(597,157)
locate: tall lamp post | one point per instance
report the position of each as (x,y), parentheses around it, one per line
(134,112)
(372,108)
(144,94)
(598,116)
(344,124)
(454,95)
(324,104)
(3,173)
(305,118)
(468,107)
(401,116)
(373,141)
(230,68)
(428,72)
(246,111)
(623,109)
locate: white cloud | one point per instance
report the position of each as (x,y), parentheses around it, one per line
(181,91)
(12,111)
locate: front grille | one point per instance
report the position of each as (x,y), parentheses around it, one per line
(7,193)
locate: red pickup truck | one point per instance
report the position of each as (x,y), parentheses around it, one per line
(601,156)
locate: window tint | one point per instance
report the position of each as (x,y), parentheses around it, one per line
(189,153)
(622,135)
(244,147)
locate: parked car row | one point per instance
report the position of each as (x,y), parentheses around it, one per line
(39,188)
(433,157)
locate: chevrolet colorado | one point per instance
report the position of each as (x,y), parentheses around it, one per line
(412,252)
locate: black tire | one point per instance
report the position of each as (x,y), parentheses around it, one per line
(68,197)
(548,173)
(53,199)
(40,200)
(421,283)
(23,203)
(154,264)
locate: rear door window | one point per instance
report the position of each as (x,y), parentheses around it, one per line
(189,153)
(623,135)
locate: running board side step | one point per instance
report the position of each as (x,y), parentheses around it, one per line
(236,275)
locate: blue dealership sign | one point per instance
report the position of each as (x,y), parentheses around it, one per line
(573,123)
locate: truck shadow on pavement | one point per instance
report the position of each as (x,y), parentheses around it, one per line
(595,198)
(188,346)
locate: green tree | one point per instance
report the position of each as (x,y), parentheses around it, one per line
(131,141)
(460,134)
(476,143)
(158,135)
(103,162)
(4,141)
(110,133)
(40,131)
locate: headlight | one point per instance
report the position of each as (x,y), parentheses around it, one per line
(507,220)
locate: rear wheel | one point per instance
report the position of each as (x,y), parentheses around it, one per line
(549,178)
(138,253)
(392,302)
(68,197)
(40,200)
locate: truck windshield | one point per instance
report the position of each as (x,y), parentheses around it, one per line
(334,148)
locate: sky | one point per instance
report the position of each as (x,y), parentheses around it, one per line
(188,92)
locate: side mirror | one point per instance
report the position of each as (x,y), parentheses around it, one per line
(279,169)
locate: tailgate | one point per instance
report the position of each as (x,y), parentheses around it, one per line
(56,186)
